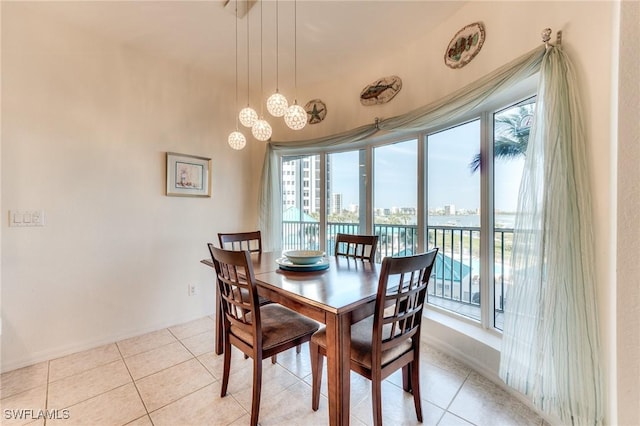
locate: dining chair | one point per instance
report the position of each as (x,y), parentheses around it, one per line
(390,338)
(251,241)
(358,246)
(258,331)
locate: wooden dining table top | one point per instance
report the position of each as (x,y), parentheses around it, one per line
(262,262)
(346,283)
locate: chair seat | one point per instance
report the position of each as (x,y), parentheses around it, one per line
(279,325)
(361,343)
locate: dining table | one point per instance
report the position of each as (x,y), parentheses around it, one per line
(337,297)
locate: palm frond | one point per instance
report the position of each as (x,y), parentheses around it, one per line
(509,140)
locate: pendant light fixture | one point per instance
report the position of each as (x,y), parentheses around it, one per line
(248,116)
(261,129)
(236,139)
(277,104)
(296,116)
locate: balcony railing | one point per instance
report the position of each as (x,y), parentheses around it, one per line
(456,275)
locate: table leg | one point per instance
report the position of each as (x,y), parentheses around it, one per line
(338,367)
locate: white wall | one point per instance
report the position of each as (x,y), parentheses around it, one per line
(85,127)
(628,226)
(512,28)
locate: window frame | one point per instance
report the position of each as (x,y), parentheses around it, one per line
(485,114)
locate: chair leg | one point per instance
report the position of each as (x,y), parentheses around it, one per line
(316,375)
(376,399)
(219,325)
(406,378)
(415,387)
(274,359)
(298,349)
(226,367)
(257,386)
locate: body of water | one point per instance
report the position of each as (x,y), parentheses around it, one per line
(471,220)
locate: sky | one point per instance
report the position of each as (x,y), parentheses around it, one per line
(450,179)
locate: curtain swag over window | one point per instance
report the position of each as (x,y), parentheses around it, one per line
(550,347)
(456,105)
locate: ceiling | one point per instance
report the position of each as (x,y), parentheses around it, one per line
(332,36)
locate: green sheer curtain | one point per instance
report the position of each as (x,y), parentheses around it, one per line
(550,345)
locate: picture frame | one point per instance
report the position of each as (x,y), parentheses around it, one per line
(188,175)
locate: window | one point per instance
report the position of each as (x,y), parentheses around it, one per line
(300,216)
(428,190)
(395,180)
(510,140)
(453,219)
(345,189)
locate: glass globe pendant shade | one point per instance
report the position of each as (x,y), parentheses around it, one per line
(295,117)
(261,130)
(237,140)
(277,105)
(248,116)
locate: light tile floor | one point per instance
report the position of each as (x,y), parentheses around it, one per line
(172,377)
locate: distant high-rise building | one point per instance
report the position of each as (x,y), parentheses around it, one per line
(336,203)
(301,184)
(450,209)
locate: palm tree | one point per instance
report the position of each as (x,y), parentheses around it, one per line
(511,134)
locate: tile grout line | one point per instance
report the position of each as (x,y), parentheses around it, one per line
(46,395)
(446,410)
(146,351)
(83,371)
(135,385)
(175,400)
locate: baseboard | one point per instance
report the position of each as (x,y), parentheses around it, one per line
(65,350)
(490,374)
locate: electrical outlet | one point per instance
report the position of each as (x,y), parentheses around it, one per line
(193,289)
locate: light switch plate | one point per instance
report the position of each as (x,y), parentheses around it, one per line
(26,218)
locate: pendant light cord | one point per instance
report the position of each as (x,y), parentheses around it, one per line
(248,90)
(237,64)
(295,50)
(261,92)
(277,50)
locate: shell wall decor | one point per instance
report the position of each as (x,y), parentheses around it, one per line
(381,91)
(464,46)
(316,111)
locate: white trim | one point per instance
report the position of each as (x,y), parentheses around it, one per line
(60,351)
(485,344)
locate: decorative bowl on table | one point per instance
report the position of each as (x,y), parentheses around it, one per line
(303,257)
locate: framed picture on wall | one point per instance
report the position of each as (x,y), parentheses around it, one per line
(188,175)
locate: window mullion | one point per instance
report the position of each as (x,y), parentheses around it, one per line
(486,220)
(323,202)
(366,188)
(422,193)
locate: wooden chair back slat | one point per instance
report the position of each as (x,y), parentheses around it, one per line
(357,246)
(238,293)
(400,300)
(238,241)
